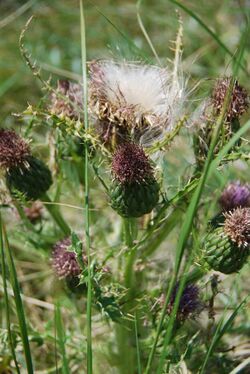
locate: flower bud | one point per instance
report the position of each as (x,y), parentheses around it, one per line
(32,178)
(235,195)
(24,173)
(239,100)
(238,105)
(134,191)
(66,267)
(190,303)
(227,247)
(13,149)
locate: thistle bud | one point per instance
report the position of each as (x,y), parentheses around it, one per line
(134,191)
(24,173)
(238,105)
(239,100)
(13,149)
(235,195)
(32,178)
(190,304)
(66,267)
(227,246)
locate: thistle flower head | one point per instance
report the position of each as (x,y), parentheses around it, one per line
(131,165)
(136,96)
(67,100)
(235,195)
(190,303)
(13,149)
(239,98)
(237,226)
(64,261)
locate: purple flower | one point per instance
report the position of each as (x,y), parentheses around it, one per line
(235,195)
(190,303)
(131,165)
(64,261)
(13,149)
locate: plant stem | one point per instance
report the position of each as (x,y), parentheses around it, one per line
(127,341)
(6,298)
(19,305)
(56,215)
(86,202)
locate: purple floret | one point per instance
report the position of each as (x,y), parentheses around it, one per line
(235,195)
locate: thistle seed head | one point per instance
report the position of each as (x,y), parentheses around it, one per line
(190,303)
(13,149)
(239,102)
(64,261)
(147,99)
(131,165)
(67,101)
(237,226)
(235,195)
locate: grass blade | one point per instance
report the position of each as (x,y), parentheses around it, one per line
(61,339)
(209,31)
(220,331)
(6,298)
(19,304)
(86,202)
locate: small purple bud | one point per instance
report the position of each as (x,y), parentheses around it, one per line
(235,195)
(190,303)
(64,261)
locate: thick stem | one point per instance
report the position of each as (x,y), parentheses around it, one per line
(125,333)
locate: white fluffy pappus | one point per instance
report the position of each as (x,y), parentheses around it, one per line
(145,98)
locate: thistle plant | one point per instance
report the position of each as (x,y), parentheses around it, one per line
(227,247)
(66,266)
(212,108)
(163,222)
(190,304)
(134,191)
(24,172)
(235,195)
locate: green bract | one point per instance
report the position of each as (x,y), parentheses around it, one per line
(32,178)
(134,199)
(222,254)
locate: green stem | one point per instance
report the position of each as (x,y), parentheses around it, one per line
(125,339)
(56,215)
(6,298)
(86,202)
(19,305)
